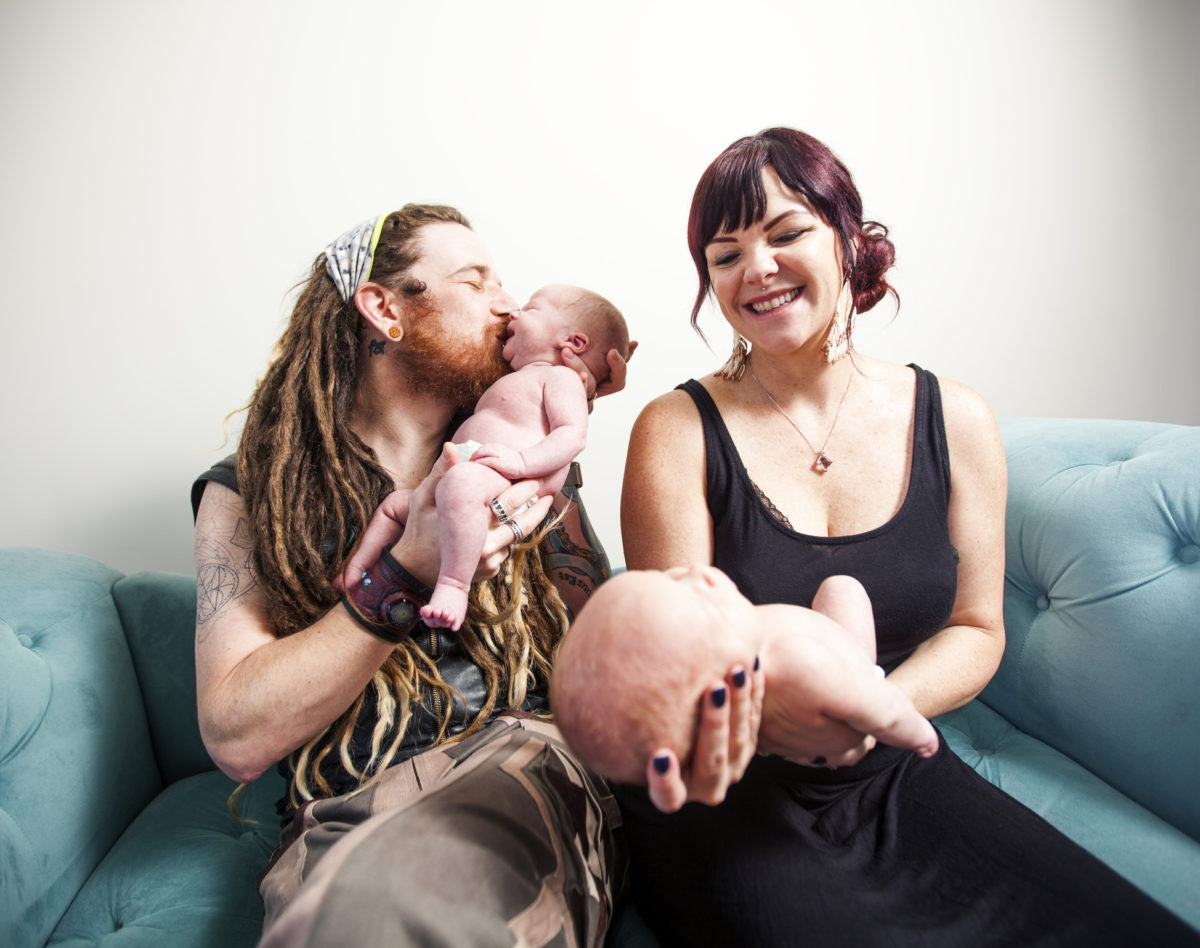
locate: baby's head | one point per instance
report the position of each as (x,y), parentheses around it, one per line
(564,315)
(639,658)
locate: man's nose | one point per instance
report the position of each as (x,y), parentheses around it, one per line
(504,305)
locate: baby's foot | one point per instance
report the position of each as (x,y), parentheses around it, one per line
(447,608)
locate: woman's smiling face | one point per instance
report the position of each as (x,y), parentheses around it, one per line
(777,280)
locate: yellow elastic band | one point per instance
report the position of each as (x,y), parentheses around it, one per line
(374,243)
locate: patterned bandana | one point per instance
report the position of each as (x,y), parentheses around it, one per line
(348,259)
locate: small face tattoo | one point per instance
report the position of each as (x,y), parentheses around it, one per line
(376,346)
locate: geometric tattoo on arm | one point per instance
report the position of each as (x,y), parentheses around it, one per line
(223,572)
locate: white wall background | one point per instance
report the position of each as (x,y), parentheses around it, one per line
(171,169)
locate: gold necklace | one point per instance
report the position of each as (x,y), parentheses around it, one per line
(821,461)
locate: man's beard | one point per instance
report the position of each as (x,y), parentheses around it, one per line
(458,371)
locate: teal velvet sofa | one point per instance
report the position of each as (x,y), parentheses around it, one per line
(1093,719)
(114,824)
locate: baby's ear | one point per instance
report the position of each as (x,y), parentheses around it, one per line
(577,342)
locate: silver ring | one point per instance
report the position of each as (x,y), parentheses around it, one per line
(518,533)
(498,509)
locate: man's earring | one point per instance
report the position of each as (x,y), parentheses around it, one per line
(394,332)
(735,367)
(837,343)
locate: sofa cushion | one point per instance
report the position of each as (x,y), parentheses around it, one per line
(1102,584)
(158,611)
(1146,850)
(184,873)
(76,763)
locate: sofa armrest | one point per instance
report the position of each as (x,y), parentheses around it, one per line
(74,744)
(1102,599)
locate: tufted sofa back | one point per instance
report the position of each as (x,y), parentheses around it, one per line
(154,607)
(76,757)
(1102,602)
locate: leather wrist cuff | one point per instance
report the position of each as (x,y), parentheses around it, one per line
(387,599)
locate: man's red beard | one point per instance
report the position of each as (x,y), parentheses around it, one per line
(456,370)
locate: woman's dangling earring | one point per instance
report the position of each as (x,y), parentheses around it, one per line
(735,366)
(837,343)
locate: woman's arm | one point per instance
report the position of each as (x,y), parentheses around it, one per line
(664,523)
(953,666)
(664,508)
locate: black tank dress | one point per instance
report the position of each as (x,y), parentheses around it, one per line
(896,850)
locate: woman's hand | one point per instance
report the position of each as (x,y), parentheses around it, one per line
(417,548)
(725,743)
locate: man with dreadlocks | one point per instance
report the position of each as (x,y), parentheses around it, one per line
(429,799)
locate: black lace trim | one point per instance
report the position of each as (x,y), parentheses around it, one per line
(771,508)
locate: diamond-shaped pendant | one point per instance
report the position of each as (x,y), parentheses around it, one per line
(822,463)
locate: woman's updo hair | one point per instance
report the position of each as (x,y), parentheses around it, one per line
(731,196)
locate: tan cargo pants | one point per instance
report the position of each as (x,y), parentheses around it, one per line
(502,839)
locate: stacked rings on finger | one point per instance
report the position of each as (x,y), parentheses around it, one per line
(499,511)
(518,533)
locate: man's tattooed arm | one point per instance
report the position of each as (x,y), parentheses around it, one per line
(224,572)
(572,553)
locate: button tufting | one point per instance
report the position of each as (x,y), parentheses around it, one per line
(1043,603)
(1189,553)
(25,639)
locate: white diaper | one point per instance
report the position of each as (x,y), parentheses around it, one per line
(467,449)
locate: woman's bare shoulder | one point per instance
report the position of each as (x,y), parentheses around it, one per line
(967,413)
(675,405)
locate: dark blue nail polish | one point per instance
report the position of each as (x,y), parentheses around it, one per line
(718,697)
(756,663)
(739,678)
(662,763)
(819,761)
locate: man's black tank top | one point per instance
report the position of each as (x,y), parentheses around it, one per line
(907,565)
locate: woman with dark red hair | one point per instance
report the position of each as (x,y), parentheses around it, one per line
(799,459)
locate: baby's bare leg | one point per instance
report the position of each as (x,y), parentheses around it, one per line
(887,713)
(844,600)
(883,711)
(464,518)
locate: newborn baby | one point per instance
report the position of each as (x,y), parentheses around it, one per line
(529,425)
(647,646)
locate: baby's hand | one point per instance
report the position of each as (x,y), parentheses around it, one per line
(501,459)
